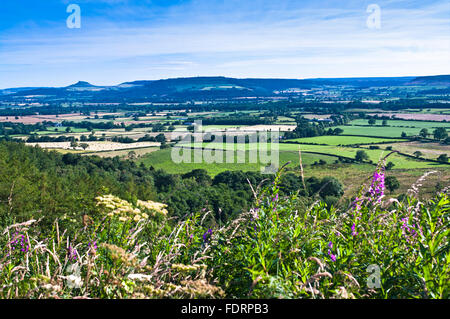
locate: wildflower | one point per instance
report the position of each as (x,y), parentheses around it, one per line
(332,256)
(20,242)
(354,233)
(72,253)
(125,211)
(376,189)
(254,213)
(275,198)
(73,281)
(408,231)
(149,205)
(207,235)
(357,204)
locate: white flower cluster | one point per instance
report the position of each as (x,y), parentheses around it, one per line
(125,211)
(152,206)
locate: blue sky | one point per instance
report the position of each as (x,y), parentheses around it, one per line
(126,40)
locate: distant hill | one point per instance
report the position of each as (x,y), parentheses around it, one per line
(15,90)
(431,80)
(211,88)
(82,84)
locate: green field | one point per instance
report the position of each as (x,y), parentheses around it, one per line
(394,128)
(351,175)
(401,162)
(343,140)
(162,160)
(62,129)
(401,123)
(383,131)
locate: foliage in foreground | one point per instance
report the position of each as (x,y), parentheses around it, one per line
(278,249)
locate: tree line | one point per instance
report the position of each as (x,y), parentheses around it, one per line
(37,183)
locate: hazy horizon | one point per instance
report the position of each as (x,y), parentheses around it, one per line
(217,76)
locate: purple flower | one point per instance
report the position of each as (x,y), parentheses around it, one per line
(377,187)
(332,256)
(72,253)
(275,198)
(408,231)
(207,235)
(354,233)
(20,241)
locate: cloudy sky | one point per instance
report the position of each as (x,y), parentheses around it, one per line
(127,40)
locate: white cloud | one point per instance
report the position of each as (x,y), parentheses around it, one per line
(284,41)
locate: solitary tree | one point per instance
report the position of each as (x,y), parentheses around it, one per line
(73,144)
(330,186)
(423,133)
(389,166)
(361,156)
(440,133)
(372,122)
(417,153)
(161,138)
(391,183)
(443,158)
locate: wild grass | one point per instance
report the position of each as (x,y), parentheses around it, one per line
(281,248)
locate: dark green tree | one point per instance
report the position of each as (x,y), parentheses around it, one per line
(423,133)
(440,133)
(389,166)
(392,183)
(361,156)
(443,158)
